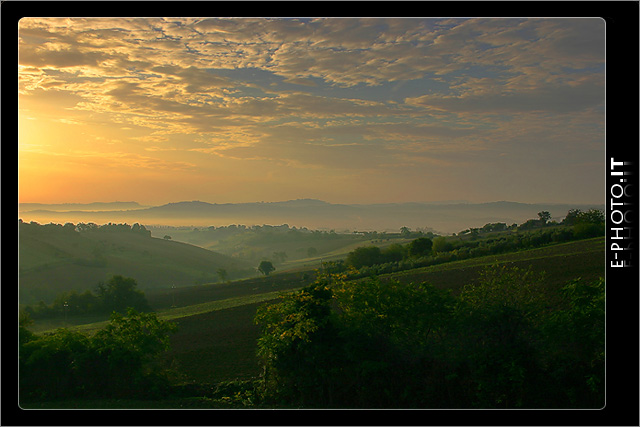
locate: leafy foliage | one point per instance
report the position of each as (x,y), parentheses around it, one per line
(118,361)
(117,294)
(120,293)
(364,256)
(578,329)
(471,243)
(420,247)
(297,343)
(266,267)
(505,342)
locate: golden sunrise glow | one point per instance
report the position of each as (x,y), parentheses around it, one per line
(344,110)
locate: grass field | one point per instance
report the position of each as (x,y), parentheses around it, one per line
(560,262)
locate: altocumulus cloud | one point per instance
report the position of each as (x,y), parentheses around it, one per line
(321,91)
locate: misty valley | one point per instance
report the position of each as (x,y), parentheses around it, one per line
(280,316)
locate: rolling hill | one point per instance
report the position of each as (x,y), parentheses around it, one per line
(55,259)
(220,345)
(216,338)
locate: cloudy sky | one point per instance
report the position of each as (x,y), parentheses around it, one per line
(343,110)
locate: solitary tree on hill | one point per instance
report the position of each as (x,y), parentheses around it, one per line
(222,273)
(266,267)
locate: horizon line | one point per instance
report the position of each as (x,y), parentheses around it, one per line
(452,202)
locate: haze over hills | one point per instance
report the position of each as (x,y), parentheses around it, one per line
(55,259)
(446,218)
(95,206)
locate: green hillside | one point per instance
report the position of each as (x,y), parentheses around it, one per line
(287,247)
(560,263)
(55,259)
(220,345)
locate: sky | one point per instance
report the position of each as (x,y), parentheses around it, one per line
(343,110)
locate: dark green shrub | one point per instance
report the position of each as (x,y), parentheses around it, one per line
(120,360)
(507,341)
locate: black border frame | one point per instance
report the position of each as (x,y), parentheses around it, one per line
(622,136)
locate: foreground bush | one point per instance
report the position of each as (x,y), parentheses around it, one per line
(118,361)
(505,342)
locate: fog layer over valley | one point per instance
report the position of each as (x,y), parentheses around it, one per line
(67,247)
(442,218)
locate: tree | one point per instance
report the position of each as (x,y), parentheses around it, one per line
(572,216)
(266,267)
(393,253)
(420,247)
(335,343)
(507,340)
(592,216)
(130,345)
(296,344)
(405,231)
(495,226)
(222,273)
(530,224)
(138,228)
(499,316)
(441,244)
(364,256)
(544,216)
(578,331)
(120,292)
(120,360)
(24,321)
(589,224)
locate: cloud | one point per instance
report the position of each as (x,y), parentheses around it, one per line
(327,94)
(341,51)
(62,99)
(60,58)
(301,81)
(553,99)
(194,80)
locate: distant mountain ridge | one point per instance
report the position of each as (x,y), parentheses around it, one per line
(317,214)
(94,206)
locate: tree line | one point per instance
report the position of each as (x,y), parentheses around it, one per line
(257,233)
(425,251)
(117,294)
(82,227)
